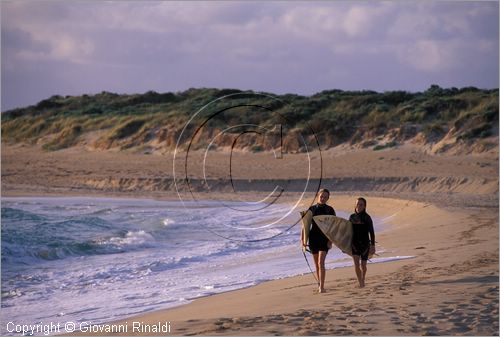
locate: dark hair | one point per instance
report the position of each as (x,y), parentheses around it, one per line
(324,190)
(363,200)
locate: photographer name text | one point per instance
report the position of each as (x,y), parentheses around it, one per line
(68,327)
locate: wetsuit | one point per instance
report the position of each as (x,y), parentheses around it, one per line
(317,240)
(362,226)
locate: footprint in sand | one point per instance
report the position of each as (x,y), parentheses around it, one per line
(432,331)
(355,322)
(415,329)
(248,324)
(225,319)
(422,319)
(461,327)
(469,319)
(440,317)
(307,333)
(293,319)
(276,318)
(365,329)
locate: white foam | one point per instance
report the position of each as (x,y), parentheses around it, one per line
(168,222)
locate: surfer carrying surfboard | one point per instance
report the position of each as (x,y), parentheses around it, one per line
(363,240)
(319,244)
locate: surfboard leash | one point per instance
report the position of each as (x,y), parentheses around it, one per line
(307,261)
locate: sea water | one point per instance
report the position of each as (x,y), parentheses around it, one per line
(101,259)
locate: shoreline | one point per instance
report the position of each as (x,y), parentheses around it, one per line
(422,295)
(445,200)
(142,317)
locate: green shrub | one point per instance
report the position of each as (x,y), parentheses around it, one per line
(256,148)
(66,138)
(433,129)
(127,129)
(334,115)
(481,131)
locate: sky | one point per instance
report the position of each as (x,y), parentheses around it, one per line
(85,47)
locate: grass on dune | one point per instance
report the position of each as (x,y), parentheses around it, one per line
(335,116)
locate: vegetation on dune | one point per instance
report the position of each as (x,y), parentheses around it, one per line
(66,138)
(335,117)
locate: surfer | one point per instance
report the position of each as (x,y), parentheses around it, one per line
(319,244)
(363,241)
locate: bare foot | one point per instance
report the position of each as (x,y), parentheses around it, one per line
(321,290)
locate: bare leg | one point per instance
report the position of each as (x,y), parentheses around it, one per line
(316,264)
(363,267)
(358,271)
(322,271)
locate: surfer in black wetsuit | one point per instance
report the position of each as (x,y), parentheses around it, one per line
(363,240)
(318,242)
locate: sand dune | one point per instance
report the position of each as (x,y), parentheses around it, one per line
(404,170)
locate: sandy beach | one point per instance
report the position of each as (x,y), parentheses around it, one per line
(443,211)
(449,288)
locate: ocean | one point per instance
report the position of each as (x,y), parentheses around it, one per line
(96,260)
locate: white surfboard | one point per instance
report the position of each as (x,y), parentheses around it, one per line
(306,217)
(338,230)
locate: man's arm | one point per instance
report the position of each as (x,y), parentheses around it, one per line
(372,232)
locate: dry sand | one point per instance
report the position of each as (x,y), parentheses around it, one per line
(404,172)
(450,226)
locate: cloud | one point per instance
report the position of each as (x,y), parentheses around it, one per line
(439,36)
(300,47)
(61,46)
(50,38)
(73,32)
(364,20)
(429,55)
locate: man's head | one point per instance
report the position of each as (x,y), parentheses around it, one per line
(323,196)
(360,205)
